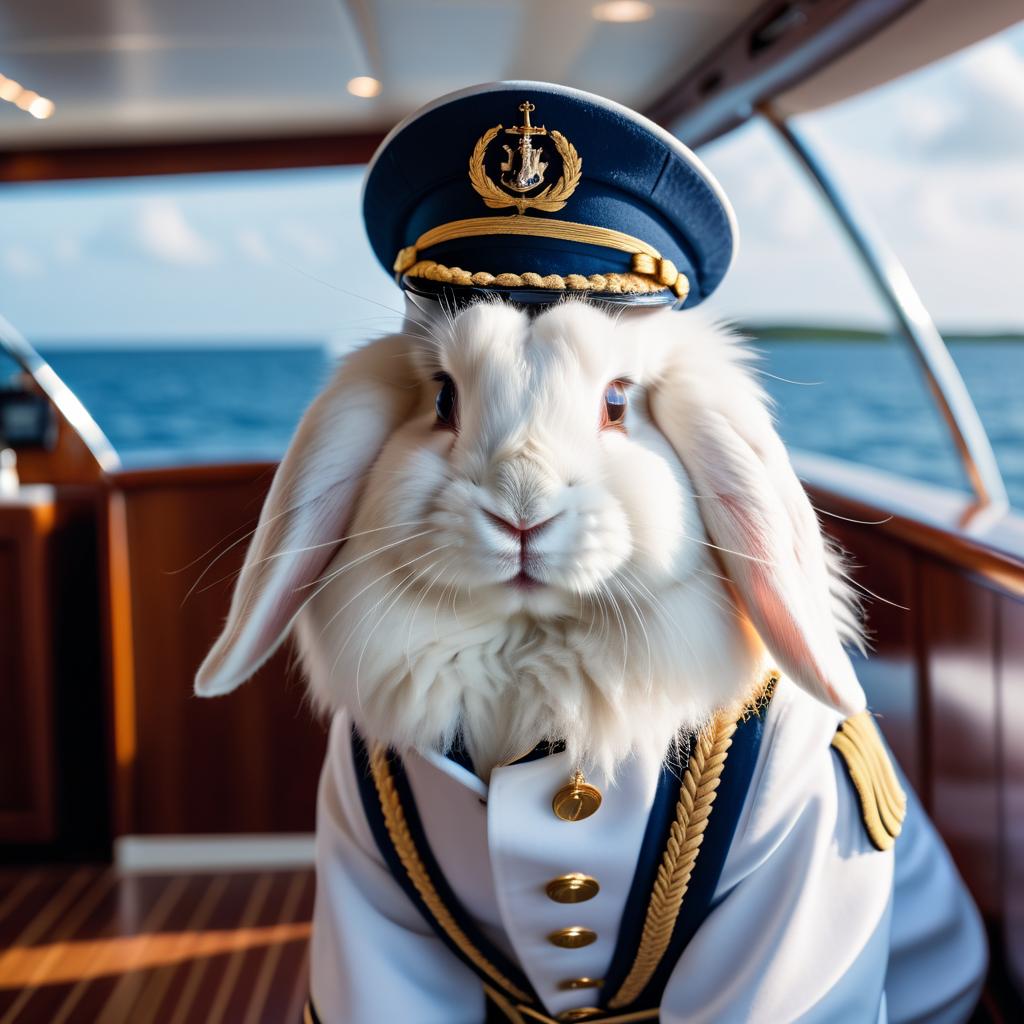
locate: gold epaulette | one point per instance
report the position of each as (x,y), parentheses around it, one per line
(883,804)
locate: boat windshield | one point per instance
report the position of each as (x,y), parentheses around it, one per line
(935,159)
(147,294)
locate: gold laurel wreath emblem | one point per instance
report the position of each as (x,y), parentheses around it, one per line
(550,200)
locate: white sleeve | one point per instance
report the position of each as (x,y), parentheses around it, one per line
(800,927)
(372,955)
(938,953)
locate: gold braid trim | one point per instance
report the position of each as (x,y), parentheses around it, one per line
(618,284)
(696,797)
(527,1014)
(646,261)
(883,804)
(398,830)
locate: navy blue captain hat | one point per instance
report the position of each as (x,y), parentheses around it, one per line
(534,191)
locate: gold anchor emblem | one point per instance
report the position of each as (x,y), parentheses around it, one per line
(531,167)
(529,174)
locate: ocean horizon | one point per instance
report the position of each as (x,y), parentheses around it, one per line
(859,398)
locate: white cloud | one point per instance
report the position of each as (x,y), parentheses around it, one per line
(20,261)
(163,233)
(253,244)
(67,248)
(996,69)
(310,243)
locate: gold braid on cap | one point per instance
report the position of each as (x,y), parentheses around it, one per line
(616,284)
(649,270)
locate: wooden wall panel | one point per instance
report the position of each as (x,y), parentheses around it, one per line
(1011,750)
(884,570)
(959,643)
(27,771)
(247,762)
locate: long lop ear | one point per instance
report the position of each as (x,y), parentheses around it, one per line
(755,510)
(310,504)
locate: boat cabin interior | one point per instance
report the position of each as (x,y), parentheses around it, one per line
(155,850)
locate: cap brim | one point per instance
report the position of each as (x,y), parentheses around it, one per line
(457,296)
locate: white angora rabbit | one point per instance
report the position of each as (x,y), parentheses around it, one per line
(579,526)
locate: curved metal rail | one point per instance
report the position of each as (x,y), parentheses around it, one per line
(916,325)
(63,398)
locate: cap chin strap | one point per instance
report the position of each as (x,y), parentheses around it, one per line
(648,265)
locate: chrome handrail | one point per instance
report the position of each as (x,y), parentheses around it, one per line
(67,403)
(916,325)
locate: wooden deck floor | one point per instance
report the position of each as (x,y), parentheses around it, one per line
(87,944)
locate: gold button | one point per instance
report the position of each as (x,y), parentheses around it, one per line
(574,888)
(572,938)
(580,1013)
(576,800)
(571,984)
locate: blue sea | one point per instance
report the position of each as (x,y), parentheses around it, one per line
(858,400)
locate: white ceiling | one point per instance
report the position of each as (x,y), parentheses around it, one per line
(135,70)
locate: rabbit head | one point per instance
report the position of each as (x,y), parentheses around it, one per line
(579,526)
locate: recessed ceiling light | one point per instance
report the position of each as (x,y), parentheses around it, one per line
(623,11)
(25,99)
(41,107)
(364,87)
(10,90)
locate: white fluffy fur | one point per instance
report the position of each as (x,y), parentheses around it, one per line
(642,628)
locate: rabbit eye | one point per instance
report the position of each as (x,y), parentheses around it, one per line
(447,402)
(614,412)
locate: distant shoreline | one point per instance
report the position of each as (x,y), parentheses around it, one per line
(761,332)
(791,332)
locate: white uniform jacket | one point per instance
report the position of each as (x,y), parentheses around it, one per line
(808,921)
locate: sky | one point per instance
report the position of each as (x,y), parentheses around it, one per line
(936,159)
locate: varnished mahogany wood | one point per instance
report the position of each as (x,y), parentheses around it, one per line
(90,944)
(1010,752)
(188,157)
(959,647)
(247,763)
(891,671)
(27,770)
(70,462)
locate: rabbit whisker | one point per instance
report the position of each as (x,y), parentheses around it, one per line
(372,583)
(373,608)
(370,554)
(339,540)
(414,611)
(641,622)
(410,580)
(622,623)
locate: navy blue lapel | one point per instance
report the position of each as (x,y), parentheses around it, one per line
(729,800)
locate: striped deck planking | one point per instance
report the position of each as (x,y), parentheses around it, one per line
(86,944)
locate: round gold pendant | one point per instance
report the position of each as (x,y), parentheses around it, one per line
(576,800)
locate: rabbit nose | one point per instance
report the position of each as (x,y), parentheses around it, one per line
(523,531)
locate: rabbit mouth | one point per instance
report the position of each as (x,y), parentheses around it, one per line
(524,581)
